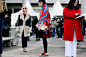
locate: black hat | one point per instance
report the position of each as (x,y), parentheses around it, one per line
(41,1)
(44,2)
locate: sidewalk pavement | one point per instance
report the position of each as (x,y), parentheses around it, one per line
(56,48)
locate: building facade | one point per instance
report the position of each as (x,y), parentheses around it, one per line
(15,5)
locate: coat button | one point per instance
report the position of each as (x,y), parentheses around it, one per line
(76,27)
(75,24)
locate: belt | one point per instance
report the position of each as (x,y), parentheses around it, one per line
(68,18)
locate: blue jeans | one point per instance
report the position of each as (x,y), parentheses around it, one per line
(1,42)
(53,33)
(59,33)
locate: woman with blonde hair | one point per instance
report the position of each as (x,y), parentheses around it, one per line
(24,26)
(2,13)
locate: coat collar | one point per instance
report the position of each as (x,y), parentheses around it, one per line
(22,16)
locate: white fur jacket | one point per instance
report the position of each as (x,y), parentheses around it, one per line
(24,24)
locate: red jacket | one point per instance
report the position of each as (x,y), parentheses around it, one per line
(70,23)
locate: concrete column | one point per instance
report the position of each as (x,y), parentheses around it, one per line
(12,10)
(83,7)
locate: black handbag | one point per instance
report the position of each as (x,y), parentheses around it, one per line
(5,32)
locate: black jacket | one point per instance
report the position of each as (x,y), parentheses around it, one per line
(7,21)
(83,24)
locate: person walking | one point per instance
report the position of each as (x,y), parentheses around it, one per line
(2,14)
(72,28)
(62,28)
(24,26)
(6,25)
(44,20)
(53,26)
(83,28)
(36,31)
(58,28)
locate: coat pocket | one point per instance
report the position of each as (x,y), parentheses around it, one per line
(29,29)
(18,28)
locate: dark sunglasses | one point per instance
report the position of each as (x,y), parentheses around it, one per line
(24,8)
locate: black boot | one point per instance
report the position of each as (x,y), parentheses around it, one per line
(28,39)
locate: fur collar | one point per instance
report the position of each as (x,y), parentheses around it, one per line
(22,16)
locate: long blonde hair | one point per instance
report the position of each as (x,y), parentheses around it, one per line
(1,7)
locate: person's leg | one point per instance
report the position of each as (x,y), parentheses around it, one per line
(60,34)
(37,34)
(68,48)
(57,32)
(53,32)
(25,42)
(45,47)
(37,37)
(1,42)
(45,44)
(22,40)
(74,48)
(28,39)
(74,45)
(83,31)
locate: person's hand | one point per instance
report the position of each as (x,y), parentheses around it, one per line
(6,9)
(39,27)
(76,14)
(6,16)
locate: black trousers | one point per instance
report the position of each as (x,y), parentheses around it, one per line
(24,41)
(37,35)
(45,44)
(36,32)
(1,42)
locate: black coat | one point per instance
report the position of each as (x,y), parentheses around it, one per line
(7,21)
(3,14)
(1,25)
(83,24)
(34,22)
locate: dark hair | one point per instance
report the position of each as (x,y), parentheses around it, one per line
(44,2)
(71,4)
